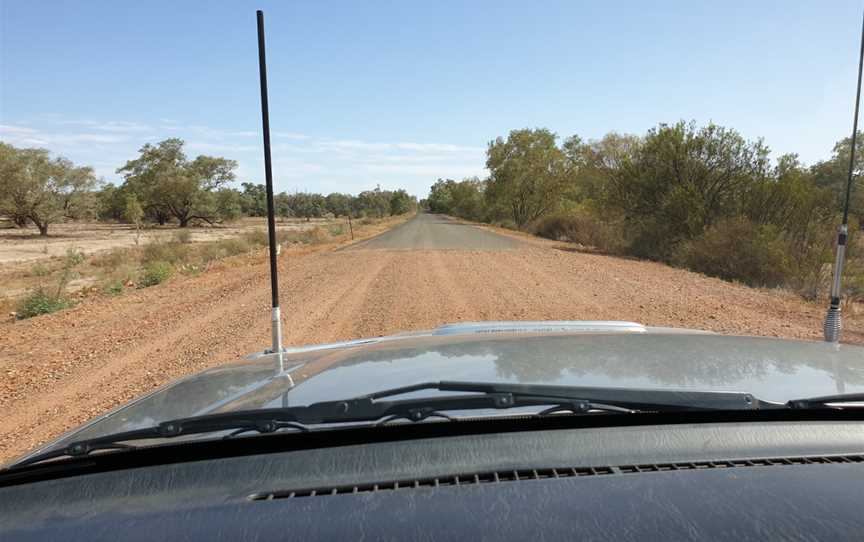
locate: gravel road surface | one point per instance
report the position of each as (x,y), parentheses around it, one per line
(59,370)
(437,232)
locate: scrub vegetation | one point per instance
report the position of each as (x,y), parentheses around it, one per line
(699,197)
(163,196)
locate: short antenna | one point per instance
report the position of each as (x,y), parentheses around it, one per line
(275,316)
(833,320)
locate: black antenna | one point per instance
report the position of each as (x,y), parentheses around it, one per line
(276,317)
(833,320)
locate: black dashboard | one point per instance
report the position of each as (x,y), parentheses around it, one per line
(741,481)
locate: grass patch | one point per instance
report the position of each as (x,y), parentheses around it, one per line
(113,287)
(111,259)
(155,273)
(41,301)
(256,238)
(233,245)
(172,252)
(314,236)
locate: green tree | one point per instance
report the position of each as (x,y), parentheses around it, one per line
(527,174)
(681,180)
(338,204)
(833,174)
(306,205)
(441,196)
(33,187)
(374,202)
(229,203)
(134,214)
(254,199)
(401,202)
(169,184)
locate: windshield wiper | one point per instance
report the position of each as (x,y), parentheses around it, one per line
(376,408)
(842,400)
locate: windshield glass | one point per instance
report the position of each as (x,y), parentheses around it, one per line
(557,194)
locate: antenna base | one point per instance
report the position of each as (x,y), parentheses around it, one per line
(833,324)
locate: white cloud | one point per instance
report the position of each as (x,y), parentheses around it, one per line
(16,129)
(111,126)
(226,148)
(300,161)
(290,135)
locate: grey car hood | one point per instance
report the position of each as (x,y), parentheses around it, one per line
(617,354)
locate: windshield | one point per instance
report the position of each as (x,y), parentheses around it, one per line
(556,194)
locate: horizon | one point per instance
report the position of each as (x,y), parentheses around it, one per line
(401,95)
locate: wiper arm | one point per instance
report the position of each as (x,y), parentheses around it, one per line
(842,400)
(374,407)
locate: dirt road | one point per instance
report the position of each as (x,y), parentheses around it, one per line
(437,232)
(59,370)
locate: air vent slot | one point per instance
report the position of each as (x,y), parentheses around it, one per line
(495,477)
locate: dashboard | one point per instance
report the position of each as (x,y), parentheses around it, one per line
(775,480)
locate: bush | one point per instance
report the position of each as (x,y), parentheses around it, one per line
(336,229)
(73,257)
(367,220)
(39,270)
(579,227)
(505,223)
(232,246)
(40,301)
(853,282)
(315,236)
(113,287)
(737,249)
(155,273)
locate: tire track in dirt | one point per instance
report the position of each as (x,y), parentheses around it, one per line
(201,341)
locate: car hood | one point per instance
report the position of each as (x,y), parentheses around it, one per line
(602,354)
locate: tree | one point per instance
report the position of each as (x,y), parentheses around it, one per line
(33,187)
(833,174)
(594,166)
(441,196)
(527,174)
(681,180)
(254,199)
(376,202)
(401,202)
(229,203)
(338,204)
(282,205)
(111,202)
(134,214)
(306,205)
(169,184)
(468,199)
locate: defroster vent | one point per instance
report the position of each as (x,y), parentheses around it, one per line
(503,476)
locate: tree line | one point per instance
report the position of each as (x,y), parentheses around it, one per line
(701,197)
(162,185)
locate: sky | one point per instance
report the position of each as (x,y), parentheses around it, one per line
(398,94)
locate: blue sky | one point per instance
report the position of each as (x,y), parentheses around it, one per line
(400,93)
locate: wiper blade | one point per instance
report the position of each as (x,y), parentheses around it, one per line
(376,407)
(842,400)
